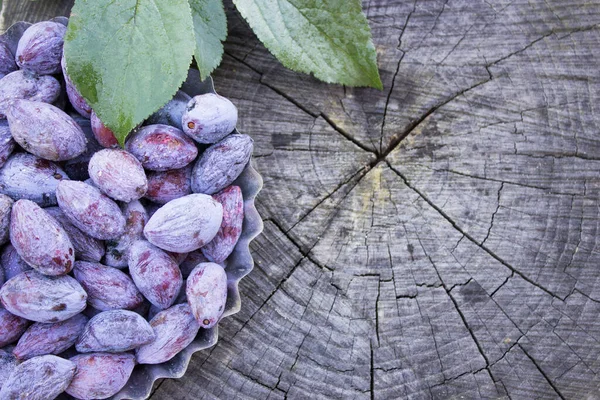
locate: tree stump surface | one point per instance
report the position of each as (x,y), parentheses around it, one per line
(437,239)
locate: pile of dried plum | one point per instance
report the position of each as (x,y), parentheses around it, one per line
(112,257)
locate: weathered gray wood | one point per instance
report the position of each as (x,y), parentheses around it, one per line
(433,240)
(33,11)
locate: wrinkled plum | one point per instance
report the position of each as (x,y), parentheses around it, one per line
(143,308)
(107,288)
(7,143)
(209,117)
(155,273)
(77,168)
(39,378)
(45,130)
(100,375)
(12,262)
(41,298)
(114,332)
(90,210)
(151,208)
(11,327)
(6,204)
(7,60)
(43,338)
(117,251)
(181,299)
(86,247)
(29,86)
(153,311)
(161,147)
(118,174)
(221,164)
(75,98)
(90,182)
(178,257)
(40,240)
(172,112)
(169,185)
(91,312)
(175,329)
(25,176)
(191,261)
(40,48)
(185,224)
(231,228)
(206,292)
(8,363)
(103,135)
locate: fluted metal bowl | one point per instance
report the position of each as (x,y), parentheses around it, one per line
(238,265)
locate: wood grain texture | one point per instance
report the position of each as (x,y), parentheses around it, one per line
(32,10)
(434,240)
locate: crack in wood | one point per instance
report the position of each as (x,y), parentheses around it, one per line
(256,381)
(387,101)
(157,386)
(377,312)
(396,139)
(328,367)
(512,274)
(561,156)
(301,107)
(493,215)
(362,172)
(406,296)
(454,378)
(552,385)
(487,178)
(575,289)
(461,284)
(457,44)
(389,95)
(345,134)
(278,382)
(305,254)
(460,313)
(429,285)
(437,18)
(572,350)
(558,377)
(483,247)
(299,348)
(577,30)
(457,244)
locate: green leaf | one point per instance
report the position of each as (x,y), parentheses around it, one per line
(210,27)
(128,57)
(330,38)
